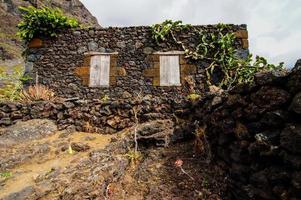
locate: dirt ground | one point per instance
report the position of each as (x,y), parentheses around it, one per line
(75,166)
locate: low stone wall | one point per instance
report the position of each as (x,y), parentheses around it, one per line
(101,116)
(256,132)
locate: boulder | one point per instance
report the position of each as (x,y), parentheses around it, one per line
(26,131)
(271,77)
(296,104)
(291,138)
(157,131)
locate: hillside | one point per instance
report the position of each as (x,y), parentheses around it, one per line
(10,45)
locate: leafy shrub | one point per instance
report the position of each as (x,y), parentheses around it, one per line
(37,93)
(43,22)
(217,48)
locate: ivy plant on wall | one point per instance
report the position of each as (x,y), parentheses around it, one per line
(43,22)
(218,48)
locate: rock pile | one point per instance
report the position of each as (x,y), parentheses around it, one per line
(255,130)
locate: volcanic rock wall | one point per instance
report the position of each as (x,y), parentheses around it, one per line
(102,116)
(59,61)
(256,132)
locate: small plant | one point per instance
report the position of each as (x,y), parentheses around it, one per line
(43,22)
(88,127)
(105,98)
(205,182)
(133,156)
(37,93)
(6,175)
(201,143)
(193,97)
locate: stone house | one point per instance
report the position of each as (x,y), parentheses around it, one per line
(90,63)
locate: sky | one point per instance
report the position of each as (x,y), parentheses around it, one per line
(274,25)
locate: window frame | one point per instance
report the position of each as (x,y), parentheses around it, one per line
(177,54)
(111,66)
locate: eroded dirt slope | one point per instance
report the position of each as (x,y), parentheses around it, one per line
(62,165)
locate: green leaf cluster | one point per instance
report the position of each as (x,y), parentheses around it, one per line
(43,22)
(219,49)
(161,31)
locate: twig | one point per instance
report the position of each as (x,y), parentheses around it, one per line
(186,173)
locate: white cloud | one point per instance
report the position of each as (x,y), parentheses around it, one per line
(274,25)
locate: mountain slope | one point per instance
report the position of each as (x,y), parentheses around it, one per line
(10,45)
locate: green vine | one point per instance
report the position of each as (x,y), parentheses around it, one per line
(168,27)
(219,49)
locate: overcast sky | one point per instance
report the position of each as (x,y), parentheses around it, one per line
(274,25)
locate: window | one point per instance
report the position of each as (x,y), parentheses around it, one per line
(169,70)
(99,71)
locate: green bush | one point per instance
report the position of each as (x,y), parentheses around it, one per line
(43,22)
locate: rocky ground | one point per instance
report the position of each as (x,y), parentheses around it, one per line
(39,162)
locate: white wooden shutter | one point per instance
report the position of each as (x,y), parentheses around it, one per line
(100,71)
(169,71)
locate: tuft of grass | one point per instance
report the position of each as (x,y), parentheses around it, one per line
(37,92)
(134,156)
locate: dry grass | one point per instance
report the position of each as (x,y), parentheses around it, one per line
(202,145)
(38,93)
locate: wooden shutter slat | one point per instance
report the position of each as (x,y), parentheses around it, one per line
(100,71)
(169,71)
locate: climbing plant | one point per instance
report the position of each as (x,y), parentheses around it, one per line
(218,48)
(168,27)
(43,22)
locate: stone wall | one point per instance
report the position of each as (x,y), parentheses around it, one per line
(256,132)
(60,61)
(101,116)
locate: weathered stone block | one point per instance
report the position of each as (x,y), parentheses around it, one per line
(296,103)
(121,71)
(183,60)
(92,46)
(188,70)
(151,72)
(245,43)
(148,50)
(291,138)
(84,74)
(35,43)
(156,81)
(243,34)
(113,81)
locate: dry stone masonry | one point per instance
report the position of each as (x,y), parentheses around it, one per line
(64,63)
(255,131)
